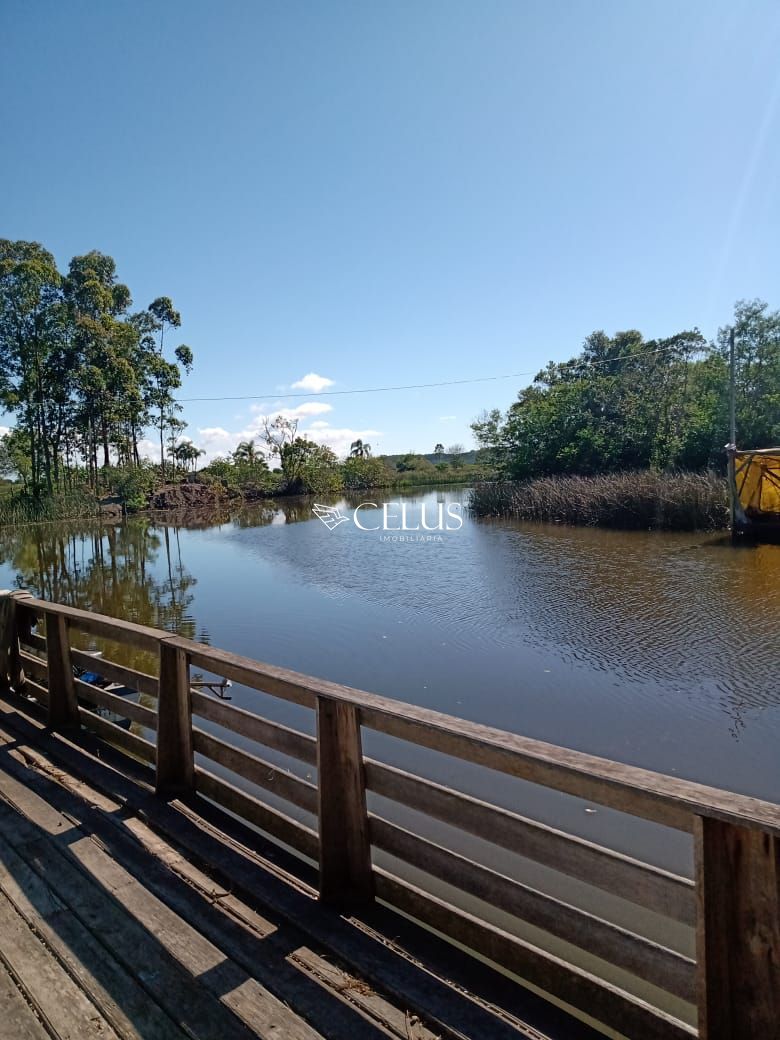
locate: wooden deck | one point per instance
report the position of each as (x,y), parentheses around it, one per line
(125,917)
(174,865)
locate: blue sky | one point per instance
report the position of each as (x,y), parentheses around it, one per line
(395,193)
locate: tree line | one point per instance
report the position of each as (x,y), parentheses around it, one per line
(83,374)
(626,403)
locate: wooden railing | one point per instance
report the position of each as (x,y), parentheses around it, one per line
(733,902)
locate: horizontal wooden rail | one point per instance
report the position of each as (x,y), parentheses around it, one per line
(119,705)
(653,796)
(36,642)
(288,741)
(123,738)
(658,890)
(575,986)
(244,805)
(33,665)
(736,909)
(115,629)
(118,673)
(256,770)
(658,965)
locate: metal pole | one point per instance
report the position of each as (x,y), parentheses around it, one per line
(732,390)
(732,436)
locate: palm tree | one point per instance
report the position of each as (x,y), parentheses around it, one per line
(438,451)
(186,453)
(247,451)
(359,449)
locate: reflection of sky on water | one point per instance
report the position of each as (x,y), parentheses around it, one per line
(651,648)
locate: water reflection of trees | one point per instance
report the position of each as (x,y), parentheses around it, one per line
(133,571)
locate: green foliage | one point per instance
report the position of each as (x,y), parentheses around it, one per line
(82,375)
(20,507)
(360,473)
(309,468)
(627,403)
(133,485)
(412,462)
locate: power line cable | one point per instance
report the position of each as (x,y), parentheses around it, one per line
(414,386)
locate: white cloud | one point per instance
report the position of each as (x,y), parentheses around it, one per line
(217,441)
(313,383)
(339,438)
(299,412)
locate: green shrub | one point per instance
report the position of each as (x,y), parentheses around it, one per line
(358,474)
(133,485)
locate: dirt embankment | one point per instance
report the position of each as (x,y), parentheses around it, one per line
(185,496)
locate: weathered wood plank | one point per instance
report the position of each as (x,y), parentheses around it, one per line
(122,1000)
(455,1008)
(63,705)
(119,673)
(270,734)
(167,959)
(120,705)
(576,987)
(114,734)
(738,931)
(113,629)
(658,890)
(314,987)
(256,770)
(346,876)
(266,819)
(58,1001)
(175,757)
(400,1023)
(640,956)
(17,1018)
(81,867)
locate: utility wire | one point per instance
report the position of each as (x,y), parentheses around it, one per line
(415,386)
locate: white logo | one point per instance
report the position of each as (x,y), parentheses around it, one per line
(448,519)
(329,515)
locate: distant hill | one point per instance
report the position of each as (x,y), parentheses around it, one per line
(465,456)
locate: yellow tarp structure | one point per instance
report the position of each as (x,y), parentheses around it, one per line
(757,480)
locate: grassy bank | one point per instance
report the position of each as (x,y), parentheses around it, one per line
(643,499)
(18,507)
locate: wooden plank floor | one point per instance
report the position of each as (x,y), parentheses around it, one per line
(126,918)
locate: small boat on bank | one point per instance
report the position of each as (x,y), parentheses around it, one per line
(754,477)
(125,692)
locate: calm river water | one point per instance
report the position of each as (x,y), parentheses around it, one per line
(654,649)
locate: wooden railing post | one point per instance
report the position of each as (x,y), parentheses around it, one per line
(737,931)
(20,628)
(63,705)
(346,877)
(6,636)
(175,759)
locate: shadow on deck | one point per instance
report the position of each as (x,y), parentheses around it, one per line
(123,916)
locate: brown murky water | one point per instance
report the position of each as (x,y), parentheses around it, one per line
(654,649)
